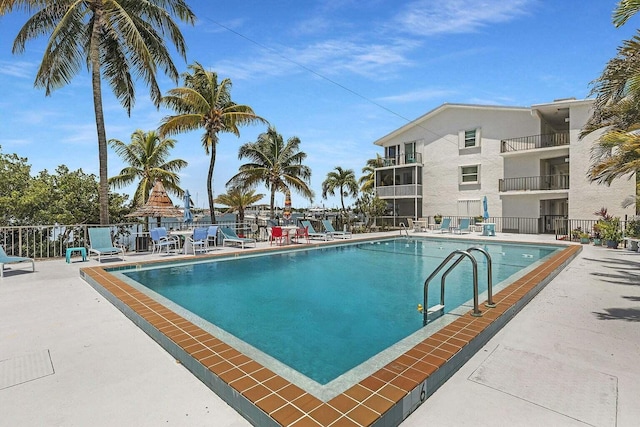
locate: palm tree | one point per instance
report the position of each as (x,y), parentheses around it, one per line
(147,156)
(238,199)
(368,180)
(115,39)
(343,180)
(205,103)
(274,163)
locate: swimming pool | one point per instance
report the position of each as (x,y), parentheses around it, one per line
(381,392)
(324,311)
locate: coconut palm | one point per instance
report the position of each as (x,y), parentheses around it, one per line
(114,39)
(238,199)
(274,163)
(343,180)
(147,155)
(368,180)
(205,103)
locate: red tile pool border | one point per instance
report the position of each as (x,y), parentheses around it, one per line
(386,397)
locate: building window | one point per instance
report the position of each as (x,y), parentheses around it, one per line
(470,174)
(469,138)
(472,207)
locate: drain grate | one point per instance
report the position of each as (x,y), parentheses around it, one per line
(582,394)
(28,367)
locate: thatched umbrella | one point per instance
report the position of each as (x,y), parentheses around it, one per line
(159,205)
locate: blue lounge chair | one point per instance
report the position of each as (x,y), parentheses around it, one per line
(313,233)
(463,226)
(161,239)
(332,231)
(6,259)
(229,235)
(100,243)
(445,225)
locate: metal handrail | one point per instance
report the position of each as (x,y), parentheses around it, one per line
(463,254)
(476,310)
(403,228)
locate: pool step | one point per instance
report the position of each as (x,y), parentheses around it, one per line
(435,309)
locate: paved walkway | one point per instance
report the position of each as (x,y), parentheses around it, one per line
(570,357)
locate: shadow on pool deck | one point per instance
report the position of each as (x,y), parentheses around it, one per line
(580,333)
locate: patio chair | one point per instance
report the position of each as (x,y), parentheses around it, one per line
(313,233)
(161,239)
(199,240)
(212,235)
(6,259)
(229,235)
(463,226)
(101,244)
(332,231)
(302,232)
(276,234)
(445,225)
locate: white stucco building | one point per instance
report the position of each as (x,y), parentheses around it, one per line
(528,162)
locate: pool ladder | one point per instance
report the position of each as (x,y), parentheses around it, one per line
(461,256)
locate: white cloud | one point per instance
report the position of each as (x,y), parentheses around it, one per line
(21,69)
(417,95)
(431,17)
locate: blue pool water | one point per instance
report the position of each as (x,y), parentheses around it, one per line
(323,311)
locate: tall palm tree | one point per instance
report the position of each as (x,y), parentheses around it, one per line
(343,180)
(368,180)
(205,103)
(115,39)
(238,199)
(147,155)
(274,163)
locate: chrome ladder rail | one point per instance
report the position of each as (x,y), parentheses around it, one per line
(426,310)
(403,228)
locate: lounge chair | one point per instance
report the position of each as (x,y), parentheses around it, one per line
(313,233)
(332,231)
(100,243)
(463,226)
(445,225)
(229,235)
(161,239)
(199,240)
(6,259)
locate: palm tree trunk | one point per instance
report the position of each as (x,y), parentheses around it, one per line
(212,164)
(103,188)
(273,200)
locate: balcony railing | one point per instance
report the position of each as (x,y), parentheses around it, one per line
(533,183)
(400,190)
(535,141)
(403,159)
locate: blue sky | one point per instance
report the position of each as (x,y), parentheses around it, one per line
(338,74)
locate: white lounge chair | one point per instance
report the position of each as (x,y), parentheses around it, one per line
(332,231)
(100,243)
(6,259)
(229,235)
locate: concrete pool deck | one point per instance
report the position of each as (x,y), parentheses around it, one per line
(68,357)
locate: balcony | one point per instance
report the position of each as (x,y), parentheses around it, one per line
(403,159)
(534,142)
(535,183)
(409,190)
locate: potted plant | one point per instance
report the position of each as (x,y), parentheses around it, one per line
(611,232)
(597,234)
(584,238)
(437,218)
(478,219)
(575,234)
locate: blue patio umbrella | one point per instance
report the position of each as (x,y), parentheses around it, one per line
(485,208)
(188,216)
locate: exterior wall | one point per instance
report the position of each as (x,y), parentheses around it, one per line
(585,198)
(437,138)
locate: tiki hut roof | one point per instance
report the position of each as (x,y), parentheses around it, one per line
(159,204)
